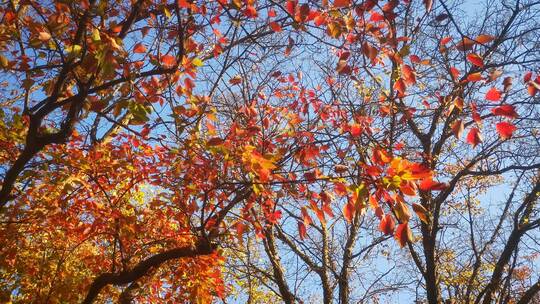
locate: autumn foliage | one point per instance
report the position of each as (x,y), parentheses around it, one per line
(145,144)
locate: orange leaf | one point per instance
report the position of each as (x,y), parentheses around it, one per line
(240,228)
(400,86)
(475,59)
(505,129)
(320,215)
(408,188)
(387,225)
(168,60)
(445,40)
(507,111)
(403,234)
(465,44)
(421,212)
(340,168)
(532,89)
(483,38)
(457,128)
(402,212)
(235,80)
(475,77)
(493,95)
(139,48)
(381,157)
(474,137)
(305,217)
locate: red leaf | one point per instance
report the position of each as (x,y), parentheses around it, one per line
(387,225)
(251,12)
(408,74)
(483,38)
(493,95)
(505,129)
(303,13)
(183,4)
(403,234)
(291,6)
(326,208)
(428,5)
(356,130)
(445,40)
(275,27)
(376,17)
(348,211)
(454,72)
(340,189)
(474,137)
(302,230)
(415,59)
(507,111)
(527,77)
(139,48)
(215,141)
(475,59)
(429,184)
(342,3)
(320,20)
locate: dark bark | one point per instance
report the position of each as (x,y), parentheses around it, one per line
(279,274)
(142,268)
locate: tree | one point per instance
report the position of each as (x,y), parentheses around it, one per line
(144,143)
(466,244)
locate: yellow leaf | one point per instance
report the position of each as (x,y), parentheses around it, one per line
(197,62)
(95,35)
(74,50)
(44,36)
